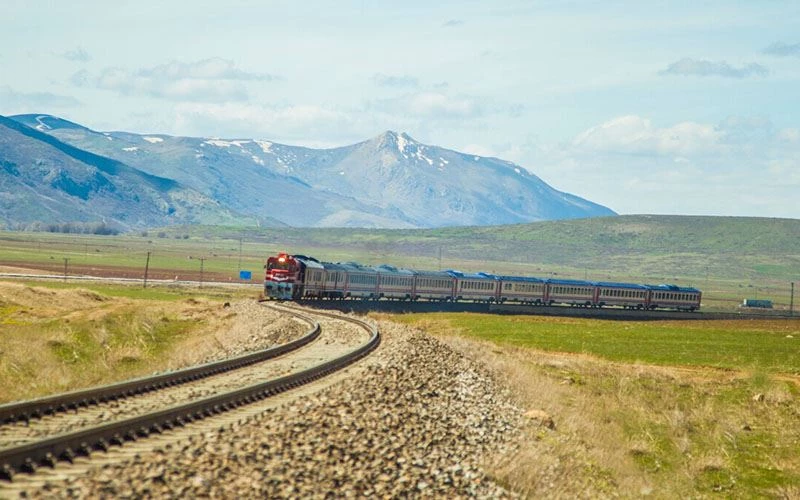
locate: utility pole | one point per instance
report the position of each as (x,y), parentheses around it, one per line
(791,301)
(146,268)
(66,266)
(240,253)
(202,262)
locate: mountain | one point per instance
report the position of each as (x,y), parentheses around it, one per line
(247,176)
(43,179)
(436,187)
(389,181)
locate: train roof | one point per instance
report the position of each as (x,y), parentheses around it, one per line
(559,281)
(672,288)
(525,279)
(387,269)
(471,276)
(433,274)
(350,267)
(308,261)
(612,284)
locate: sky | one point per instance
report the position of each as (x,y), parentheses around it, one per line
(646,107)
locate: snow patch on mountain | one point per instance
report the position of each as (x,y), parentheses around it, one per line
(265,146)
(42,125)
(226,144)
(401,144)
(153,140)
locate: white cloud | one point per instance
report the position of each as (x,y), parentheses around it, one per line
(635,135)
(207,80)
(698,67)
(14,102)
(206,69)
(432,105)
(452,23)
(783,49)
(302,123)
(790,135)
(740,166)
(395,81)
(479,150)
(77,54)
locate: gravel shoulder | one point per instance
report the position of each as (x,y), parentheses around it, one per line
(415,418)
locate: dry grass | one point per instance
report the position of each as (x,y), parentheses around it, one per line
(55,340)
(635,430)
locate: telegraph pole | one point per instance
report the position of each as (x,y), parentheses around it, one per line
(240,253)
(791,301)
(146,268)
(202,262)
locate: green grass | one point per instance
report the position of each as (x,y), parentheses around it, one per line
(729,258)
(731,430)
(88,342)
(750,345)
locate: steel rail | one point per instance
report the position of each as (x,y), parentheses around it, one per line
(36,408)
(28,457)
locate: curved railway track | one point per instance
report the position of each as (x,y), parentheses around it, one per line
(27,443)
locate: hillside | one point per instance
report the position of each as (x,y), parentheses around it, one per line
(657,247)
(389,181)
(45,180)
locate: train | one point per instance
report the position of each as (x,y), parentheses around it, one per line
(298,277)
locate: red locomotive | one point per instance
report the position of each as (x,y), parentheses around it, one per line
(283,275)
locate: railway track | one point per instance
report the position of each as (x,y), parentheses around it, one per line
(611,313)
(42,432)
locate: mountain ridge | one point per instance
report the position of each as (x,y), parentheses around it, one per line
(47,181)
(387,181)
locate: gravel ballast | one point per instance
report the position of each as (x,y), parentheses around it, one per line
(413,419)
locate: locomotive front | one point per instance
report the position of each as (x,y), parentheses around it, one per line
(282,277)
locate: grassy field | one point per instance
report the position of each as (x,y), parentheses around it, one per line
(728,258)
(660,409)
(770,346)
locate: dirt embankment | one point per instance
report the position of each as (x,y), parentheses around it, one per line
(55,340)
